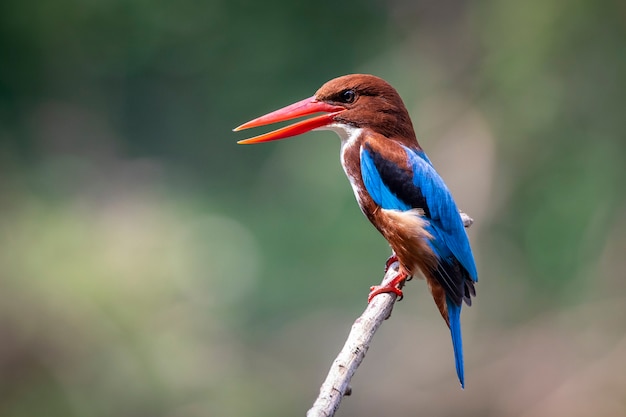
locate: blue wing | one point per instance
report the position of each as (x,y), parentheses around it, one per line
(418,185)
(377,187)
(450,236)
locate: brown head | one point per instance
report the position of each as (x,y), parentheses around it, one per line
(357,100)
(369,101)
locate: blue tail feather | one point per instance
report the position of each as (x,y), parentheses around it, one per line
(454,316)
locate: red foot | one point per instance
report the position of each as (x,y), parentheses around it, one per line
(393,286)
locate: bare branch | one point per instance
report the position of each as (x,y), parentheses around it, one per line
(467,220)
(353,352)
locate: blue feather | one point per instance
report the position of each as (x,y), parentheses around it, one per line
(377,189)
(446,223)
(454,316)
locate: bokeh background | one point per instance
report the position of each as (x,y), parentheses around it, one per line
(149,266)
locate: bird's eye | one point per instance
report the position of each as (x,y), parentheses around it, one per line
(347,96)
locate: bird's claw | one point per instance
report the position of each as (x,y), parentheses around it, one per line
(393,286)
(379,289)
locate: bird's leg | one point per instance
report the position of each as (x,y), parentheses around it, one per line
(394,258)
(392,286)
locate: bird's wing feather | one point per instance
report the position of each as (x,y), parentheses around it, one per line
(401,178)
(374,173)
(444,213)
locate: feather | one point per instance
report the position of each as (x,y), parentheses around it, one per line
(449,232)
(400,178)
(454,320)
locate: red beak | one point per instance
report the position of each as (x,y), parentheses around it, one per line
(301,108)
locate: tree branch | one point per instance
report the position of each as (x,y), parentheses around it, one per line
(337,383)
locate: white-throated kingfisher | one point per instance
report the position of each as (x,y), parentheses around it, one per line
(396,187)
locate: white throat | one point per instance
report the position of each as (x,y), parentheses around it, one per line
(349,136)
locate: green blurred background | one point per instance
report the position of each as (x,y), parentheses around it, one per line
(149,266)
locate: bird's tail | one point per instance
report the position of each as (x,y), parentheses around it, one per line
(454,317)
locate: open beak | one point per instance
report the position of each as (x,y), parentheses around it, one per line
(301,108)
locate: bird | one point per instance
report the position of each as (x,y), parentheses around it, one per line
(396,187)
